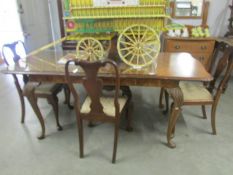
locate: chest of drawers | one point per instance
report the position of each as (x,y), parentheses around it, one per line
(200,48)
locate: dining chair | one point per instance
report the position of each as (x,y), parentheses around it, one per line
(13,53)
(97,106)
(197,93)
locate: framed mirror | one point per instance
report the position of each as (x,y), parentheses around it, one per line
(187,8)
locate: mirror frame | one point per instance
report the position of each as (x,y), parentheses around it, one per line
(173,11)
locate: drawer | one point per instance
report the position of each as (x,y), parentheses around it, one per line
(189,46)
(203,58)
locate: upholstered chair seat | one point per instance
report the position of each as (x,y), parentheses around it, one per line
(47,88)
(195,91)
(107,103)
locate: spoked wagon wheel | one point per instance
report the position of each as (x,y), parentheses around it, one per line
(89,49)
(138,45)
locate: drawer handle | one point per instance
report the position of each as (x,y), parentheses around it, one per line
(202,58)
(177,47)
(203,47)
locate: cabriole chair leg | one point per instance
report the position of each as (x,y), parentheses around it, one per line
(53,100)
(213,119)
(161,106)
(128,116)
(204,112)
(166,102)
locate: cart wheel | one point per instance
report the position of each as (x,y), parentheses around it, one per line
(138,45)
(89,49)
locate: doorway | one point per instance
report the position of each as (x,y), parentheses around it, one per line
(10,29)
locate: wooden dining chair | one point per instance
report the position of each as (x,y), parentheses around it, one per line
(97,106)
(12,54)
(202,94)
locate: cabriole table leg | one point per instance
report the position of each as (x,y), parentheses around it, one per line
(176,108)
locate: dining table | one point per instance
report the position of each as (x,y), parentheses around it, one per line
(47,64)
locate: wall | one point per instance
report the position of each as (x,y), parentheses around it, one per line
(55,29)
(10,29)
(219,14)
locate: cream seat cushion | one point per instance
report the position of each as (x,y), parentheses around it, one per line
(47,88)
(107,103)
(195,92)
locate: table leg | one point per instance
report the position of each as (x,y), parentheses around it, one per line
(177,97)
(29,93)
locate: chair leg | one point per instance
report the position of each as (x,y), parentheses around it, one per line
(22,106)
(21,100)
(213,118)
(167,103)
(91,124)
(174,128)
(226,84)
(161,98)
(53,100)
(33,101)
(80,132)
(127,92)
(67,96)
(204,112)
(116,133)
(128,116)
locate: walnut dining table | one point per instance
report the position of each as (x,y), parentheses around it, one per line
(47,65)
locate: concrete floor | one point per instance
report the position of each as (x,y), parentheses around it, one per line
(143,151)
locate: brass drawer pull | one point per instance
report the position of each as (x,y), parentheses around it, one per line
(203,47)
(202,59)
(177,47)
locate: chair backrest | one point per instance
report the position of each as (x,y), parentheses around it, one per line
(222,72)
(93,84)
(12,53)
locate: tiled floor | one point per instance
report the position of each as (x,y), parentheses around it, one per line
(143,151)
